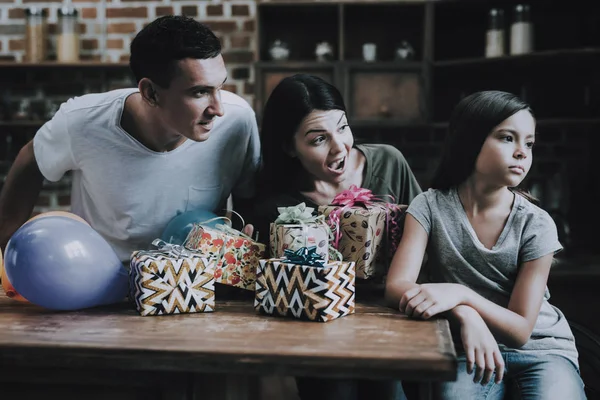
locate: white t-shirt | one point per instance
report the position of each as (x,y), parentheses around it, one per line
(129,193)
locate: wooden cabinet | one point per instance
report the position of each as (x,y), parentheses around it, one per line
(407,103)
(560,77)
(384,89)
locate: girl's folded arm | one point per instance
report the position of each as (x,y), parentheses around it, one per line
(406,264)
(512,326)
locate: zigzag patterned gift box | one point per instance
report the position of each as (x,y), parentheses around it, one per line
(167,283)
(315,293)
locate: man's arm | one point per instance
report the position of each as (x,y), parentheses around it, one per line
(19,193)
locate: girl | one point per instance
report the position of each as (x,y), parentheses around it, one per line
(489,254)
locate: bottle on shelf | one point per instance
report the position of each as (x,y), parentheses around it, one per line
(494,44)
(67,42)
(36,34)
(521,31)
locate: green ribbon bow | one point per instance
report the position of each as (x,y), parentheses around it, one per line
(304,256)
(299,214)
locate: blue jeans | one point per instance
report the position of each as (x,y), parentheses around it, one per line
(526,376)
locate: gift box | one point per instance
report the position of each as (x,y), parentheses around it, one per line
(299,288)
(365,230)
(171,280)
(237,254)
(296,227)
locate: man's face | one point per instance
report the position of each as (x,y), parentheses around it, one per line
(191,103)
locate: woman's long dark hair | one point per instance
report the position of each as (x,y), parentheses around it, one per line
(290,102)
(472,120)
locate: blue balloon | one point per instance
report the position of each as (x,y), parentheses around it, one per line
(61,264)
(179,227)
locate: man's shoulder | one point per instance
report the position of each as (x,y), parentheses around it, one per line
(239,117)
(94,100)
(235,103)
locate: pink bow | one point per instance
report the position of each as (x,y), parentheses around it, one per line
(353,196)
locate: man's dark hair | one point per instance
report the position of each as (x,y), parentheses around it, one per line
(156,49)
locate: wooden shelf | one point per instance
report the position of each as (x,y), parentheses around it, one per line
(54,64)
(383,65)
(567,121)
(387,123)
(543,122)
(524,58)
(311,2)
(22,123)
(295,65)
(354,64)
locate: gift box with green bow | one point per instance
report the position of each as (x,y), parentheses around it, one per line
(301,285)
(238,255)
(297,227)
(171,280)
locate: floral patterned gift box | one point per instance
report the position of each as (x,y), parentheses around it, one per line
(366,230)
(297,227)
(171,280)
(238,255)
(302,286)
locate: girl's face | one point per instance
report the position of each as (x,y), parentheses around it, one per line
(506,155)
(323,143)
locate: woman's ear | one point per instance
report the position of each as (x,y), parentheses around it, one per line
(288,148)
(148,91)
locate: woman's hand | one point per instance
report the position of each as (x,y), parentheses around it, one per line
(427,300)
(480,346)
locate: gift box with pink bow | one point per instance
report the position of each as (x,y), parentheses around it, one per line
(366,229)
(238,255)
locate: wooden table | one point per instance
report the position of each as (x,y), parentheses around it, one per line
(215,355)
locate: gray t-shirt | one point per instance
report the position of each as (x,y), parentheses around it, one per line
(127,192)
(455,255)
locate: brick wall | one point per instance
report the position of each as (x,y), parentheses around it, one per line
(107,28)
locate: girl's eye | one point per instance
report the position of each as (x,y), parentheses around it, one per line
(201,93)
(530,144)
(507,138)
(343,128)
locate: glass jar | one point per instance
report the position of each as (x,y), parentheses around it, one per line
(521,31)
(494,43)
(36,34)
(67,42)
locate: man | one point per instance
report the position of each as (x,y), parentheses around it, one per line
(177,142)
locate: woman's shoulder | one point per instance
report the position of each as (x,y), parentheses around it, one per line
(380,153)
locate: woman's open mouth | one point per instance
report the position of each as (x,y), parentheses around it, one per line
(338,166)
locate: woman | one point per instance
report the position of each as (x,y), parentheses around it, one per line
(309,156)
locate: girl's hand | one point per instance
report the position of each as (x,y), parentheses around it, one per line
(427,300)
(480,346)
